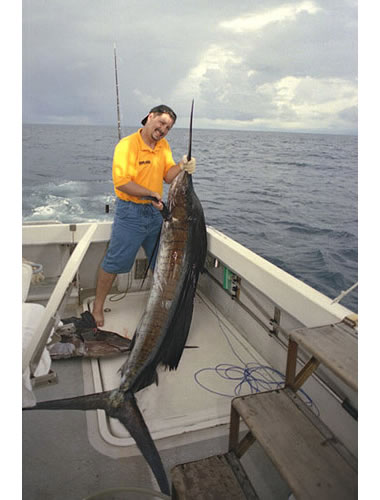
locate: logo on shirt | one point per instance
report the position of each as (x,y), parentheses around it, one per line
(145,162)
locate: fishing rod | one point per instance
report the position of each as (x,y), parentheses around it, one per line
(117,93)
(107,207)
(190,130)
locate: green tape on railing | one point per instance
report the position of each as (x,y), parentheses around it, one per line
(227,279)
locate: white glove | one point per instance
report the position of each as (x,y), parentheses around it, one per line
(188,165)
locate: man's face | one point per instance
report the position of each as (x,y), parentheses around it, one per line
(159,125)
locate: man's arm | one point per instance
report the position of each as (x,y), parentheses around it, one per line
(134,189)
(172,173)
(184,164)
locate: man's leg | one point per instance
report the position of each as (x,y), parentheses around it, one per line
(118,259)
(103,286)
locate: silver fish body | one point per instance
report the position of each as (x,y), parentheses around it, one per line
(162,332)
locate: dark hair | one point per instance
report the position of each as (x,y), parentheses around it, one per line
(162,108)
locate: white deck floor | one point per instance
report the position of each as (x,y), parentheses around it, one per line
(72,454)
(179,405)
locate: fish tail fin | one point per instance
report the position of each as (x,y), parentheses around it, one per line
(89,402)
(130,416)
(122,406)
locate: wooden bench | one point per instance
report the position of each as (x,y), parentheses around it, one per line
(306,454)
(213,478)
(310,459)
(335,345)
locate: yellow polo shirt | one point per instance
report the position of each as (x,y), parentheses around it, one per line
(134,160)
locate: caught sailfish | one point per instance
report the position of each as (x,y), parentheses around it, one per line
(161,335)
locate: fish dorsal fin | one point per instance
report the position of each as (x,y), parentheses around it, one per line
(172,346)
(179,325)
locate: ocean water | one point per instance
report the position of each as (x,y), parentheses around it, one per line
(291,198)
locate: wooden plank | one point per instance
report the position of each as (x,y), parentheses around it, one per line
(333,345)
(305,373)
(291,363)
(234,446)
(324,430)
(234,429)
(304,457)
(211,478)
(241,476)
(245,444)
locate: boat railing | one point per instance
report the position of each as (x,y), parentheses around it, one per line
(56,303)
(40,222)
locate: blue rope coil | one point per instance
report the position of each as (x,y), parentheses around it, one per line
(248,378)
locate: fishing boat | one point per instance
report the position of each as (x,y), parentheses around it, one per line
(259,338)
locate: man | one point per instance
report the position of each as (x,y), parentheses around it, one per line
(142,161)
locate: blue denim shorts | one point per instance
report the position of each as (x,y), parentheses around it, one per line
(134,225)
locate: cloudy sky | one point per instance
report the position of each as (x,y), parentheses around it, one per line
(262,65)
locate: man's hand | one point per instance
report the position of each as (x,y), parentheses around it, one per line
(157,204)
(188,165)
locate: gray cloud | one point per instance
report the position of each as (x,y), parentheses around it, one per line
(297,70)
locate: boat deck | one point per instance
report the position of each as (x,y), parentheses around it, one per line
(69,454)
(195,396)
